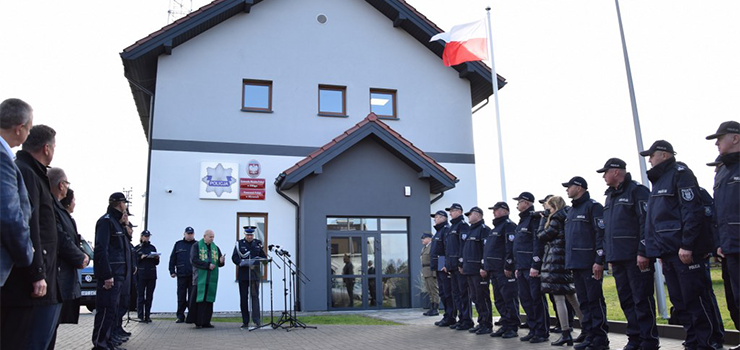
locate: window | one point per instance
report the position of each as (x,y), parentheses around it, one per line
(332,100)
(257,95)
(259,220)
(383,103)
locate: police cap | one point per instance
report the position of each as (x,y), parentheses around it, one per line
(576,180)
(613,163)
(499,205)
(660,145)
(729,127)
(439,212)
(527,196)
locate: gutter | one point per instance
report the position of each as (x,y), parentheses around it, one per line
(278,182)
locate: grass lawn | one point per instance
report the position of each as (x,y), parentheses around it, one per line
(317,320)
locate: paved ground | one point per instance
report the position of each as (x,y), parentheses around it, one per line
(416,333)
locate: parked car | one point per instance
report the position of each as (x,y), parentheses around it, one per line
(88,282)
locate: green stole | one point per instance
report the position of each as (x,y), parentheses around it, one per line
(203,276)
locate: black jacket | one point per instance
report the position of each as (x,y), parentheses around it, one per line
(473,248)
(71,256)
(624,220)
(255,250)
(44,237)
(556,279)
(146,267)
(454,242)
(727,202)
(438,245)
(112,256)
(527,249)
(498,248)
(180,258)
(674,212)
(584,234)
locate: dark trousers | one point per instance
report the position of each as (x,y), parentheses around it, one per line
(249,290)
(106,306)
(481,293)
(124,302)
(184,287)
(145,291)
(460,297)
(592,305)
(444,282)
(732,292)
(505,299)
(718,327)
(688,290)
(15,325)
(534,303)
(635,290)
(45,318)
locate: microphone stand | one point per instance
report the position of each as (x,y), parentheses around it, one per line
(290,316)
(272,319)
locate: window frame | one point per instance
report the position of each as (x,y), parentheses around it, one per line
(256,82)
(240,232)
(341,88)
(391,92)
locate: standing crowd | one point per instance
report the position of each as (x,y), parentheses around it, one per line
(564,250)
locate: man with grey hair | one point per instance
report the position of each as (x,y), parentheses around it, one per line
(16,248)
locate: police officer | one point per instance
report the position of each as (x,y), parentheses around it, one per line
(147,275)
(727,203)
(673,233)
(429,274)
(624,248)
(245,251)
(472,266)
(528,252)
(111,266)
(584,255)
(453,251)
(181,268)
(498,256)
(717,337)
(441,226)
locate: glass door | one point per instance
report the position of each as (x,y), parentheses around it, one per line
(346,268)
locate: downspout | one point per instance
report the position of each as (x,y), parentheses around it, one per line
(278,182)
(149,139)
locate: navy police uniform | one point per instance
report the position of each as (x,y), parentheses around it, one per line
(443,279)
(727,202)
(584,247)
(528,252)
(147,277)
(111,260)
(453,250)
(249,277)
(472,265)
(674,221)
(497,257)
(181,267)
(624,240)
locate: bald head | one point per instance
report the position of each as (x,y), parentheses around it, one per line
(208,236)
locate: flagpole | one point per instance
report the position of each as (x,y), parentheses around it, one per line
(662,308)
(494,82)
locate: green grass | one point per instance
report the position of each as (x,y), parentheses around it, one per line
(317,320)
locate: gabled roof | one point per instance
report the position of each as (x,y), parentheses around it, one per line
(140,59)
(440,178)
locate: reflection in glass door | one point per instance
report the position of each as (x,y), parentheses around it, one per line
(346,266)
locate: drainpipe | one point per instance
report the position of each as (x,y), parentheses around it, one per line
(278,182)
(149,139)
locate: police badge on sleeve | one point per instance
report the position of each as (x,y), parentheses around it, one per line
(600,223)
(687,194)
(511,238)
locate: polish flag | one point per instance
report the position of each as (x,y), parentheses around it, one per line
(465,42)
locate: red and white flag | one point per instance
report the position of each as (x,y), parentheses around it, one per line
(465,42)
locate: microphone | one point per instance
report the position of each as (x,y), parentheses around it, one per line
(285,252)
(269,247)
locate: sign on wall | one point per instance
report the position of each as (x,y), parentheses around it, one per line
(219,180)
(251,189)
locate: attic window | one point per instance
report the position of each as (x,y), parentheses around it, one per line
(256,95)
(332,100)
(383,103)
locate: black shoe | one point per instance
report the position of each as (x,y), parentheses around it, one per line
(631,347)
(524,325)
(128,334)
(527,337)
(244,326)
(474,329)
(483,330)
(433,312)
(736,347)
(464,327)
(565,339)
(198,327)
(537,339)
(444,323)
(581,338)
(454,325)
(116,347)
(555,329)
(148,320)
(716,346)
(583,345)
(499,332)
(426,313)
(598,347)
(510,334)
(179,320)
(208,326)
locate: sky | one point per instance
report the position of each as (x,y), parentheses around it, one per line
(564,111)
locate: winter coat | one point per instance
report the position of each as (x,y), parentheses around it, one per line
(555,278)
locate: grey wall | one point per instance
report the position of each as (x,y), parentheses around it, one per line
(366,180)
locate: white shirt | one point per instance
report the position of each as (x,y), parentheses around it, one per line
(7,147)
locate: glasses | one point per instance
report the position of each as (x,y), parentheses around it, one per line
(66,182)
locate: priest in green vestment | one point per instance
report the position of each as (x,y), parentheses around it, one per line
(206,258)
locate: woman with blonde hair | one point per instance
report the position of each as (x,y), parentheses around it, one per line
(556,280)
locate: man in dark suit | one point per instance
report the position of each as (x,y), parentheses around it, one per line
(16,120)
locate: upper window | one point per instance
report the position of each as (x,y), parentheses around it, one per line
(257,95)
(332,100)
(383,103)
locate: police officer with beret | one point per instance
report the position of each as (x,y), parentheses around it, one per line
(245,251)
(727,202)
(453,259)
(112,261)
(624,247)
(473,265)
(584,255)
(147,275)
(181,268)
(438,262)
(673,233)
(528,252)
(498,254)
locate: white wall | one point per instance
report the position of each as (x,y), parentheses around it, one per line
(199,86)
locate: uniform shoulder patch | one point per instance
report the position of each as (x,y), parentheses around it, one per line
(536,258)
(511,237)
(600,252)
(687,194)
(600,223)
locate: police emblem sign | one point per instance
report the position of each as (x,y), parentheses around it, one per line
(219,180)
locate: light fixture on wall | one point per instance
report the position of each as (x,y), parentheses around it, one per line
(407,191)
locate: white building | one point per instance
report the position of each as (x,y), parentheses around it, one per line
(290,87)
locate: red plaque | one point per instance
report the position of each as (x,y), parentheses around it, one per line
(247,183)
(251,194)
